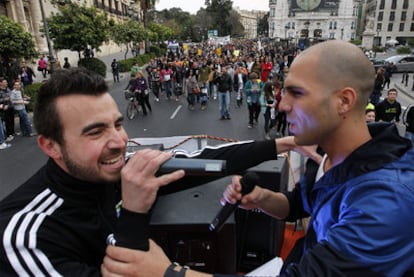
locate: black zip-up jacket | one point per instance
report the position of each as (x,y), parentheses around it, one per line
(57,225)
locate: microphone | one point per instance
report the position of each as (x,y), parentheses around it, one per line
(194,167)
(248,181)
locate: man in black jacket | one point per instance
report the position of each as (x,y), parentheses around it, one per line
(58,223)
(224,87)
(388,109)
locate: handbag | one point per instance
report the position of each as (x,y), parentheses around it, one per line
(196,90)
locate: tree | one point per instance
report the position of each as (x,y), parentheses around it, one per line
(15,42)
(219,10)
(179,21)
(77,27)
(129,32)
(263,25)
(237,29)
(145,6)
(162,32)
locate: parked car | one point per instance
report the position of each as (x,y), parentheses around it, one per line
(378,63)
(402,63)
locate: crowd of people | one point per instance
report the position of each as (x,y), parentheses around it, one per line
(203,74)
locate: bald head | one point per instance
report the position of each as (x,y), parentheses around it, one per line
(340,64)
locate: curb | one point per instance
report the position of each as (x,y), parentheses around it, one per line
(404,90)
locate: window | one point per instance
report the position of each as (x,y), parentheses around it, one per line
(379,26)
(392,16)
(380,16)
(403,16)
(334,25)
(394,4)
(352,25)
(405,4)
(272,12)
(412,27)
(382,5)
(402,27)
(390,25)
(330,25)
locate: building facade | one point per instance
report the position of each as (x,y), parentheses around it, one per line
(392,20)
(28,14)
(305,21)
(250,20)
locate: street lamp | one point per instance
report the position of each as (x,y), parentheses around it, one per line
(307,24)
(49,45)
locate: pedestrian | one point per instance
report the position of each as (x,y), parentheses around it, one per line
(66,63)
(192,89)
(388,109)
(378,85)
(115,70)
(6,110)
(405,77)
(408,120)
(412,87)
(42,65)
(19,102)
(254,90)
(26,74)
(359,199)
(142,92)
(59,222)
(156,84)
(224,86)
(268,107)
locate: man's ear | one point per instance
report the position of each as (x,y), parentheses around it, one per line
(348,98)
(50,147)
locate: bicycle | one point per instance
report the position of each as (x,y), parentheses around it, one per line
(133,107)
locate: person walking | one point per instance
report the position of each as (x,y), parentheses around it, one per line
(253,89)
(268,107)
(115,70)
(224,86)
(142,92)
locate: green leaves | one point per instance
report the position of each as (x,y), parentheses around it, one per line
(15,42)
(76,27)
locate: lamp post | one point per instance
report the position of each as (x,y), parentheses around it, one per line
(49,45)
(376,44)
(307,24)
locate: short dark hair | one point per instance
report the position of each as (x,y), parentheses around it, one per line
(72,81)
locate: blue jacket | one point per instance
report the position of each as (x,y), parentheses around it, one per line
(362,211)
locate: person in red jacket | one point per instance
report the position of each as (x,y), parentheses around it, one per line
(266,68)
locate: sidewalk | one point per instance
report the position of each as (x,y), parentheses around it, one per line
(407,90)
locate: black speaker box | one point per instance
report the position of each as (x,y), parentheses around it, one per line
(180,222)
(259,236)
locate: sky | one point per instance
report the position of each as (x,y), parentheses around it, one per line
(192,6)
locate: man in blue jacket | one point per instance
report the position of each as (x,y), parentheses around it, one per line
(360,198)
